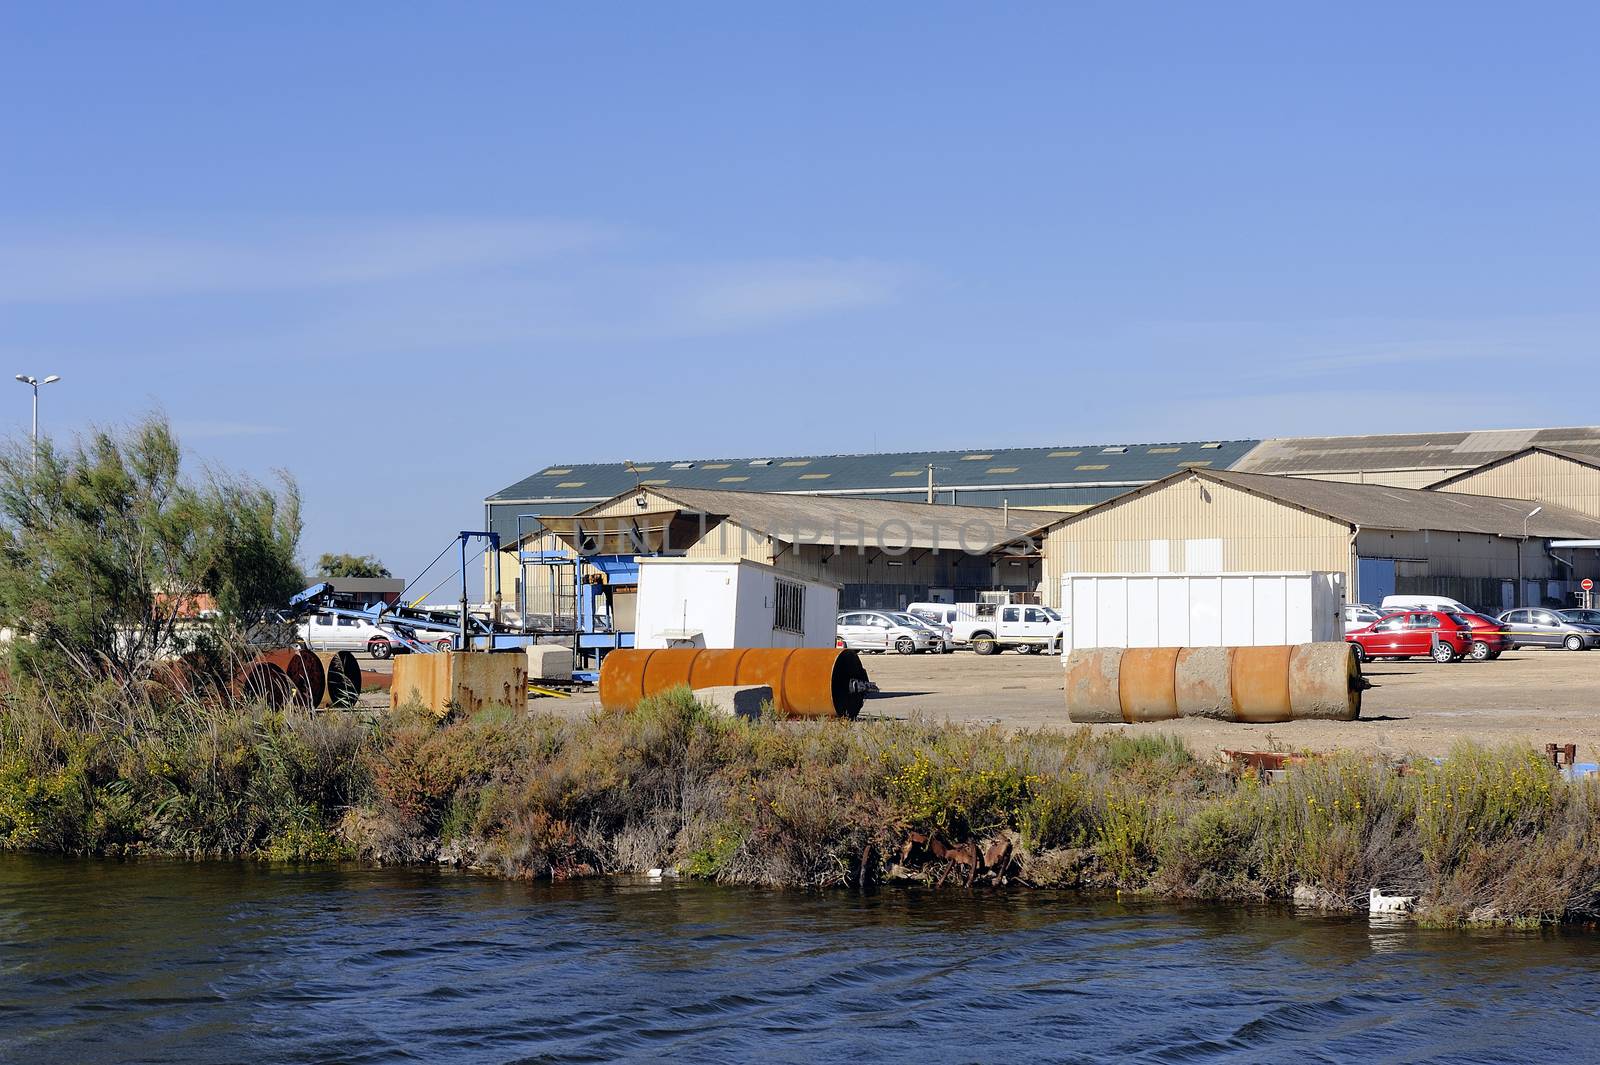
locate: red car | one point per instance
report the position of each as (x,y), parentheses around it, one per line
(1488,636)
(1441,636)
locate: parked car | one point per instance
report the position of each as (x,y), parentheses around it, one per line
(882,630)
(1394,604)
(325,632)
(1030,629)
(946,638)
(1582,616)
(1360,615)
(1444,637)
(1540,627)
(1488,637)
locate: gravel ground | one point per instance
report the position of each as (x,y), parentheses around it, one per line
(1418,707)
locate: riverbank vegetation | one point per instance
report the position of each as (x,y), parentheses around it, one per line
(107,552)
(1488,835)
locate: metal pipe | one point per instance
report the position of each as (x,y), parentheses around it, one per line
(1255,685)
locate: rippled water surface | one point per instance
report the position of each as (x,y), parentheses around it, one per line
(169,963)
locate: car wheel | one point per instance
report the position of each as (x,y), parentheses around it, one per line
(1480,651)
(445,644)
(1443,652)
(983,643)
(906,645)
(1361,652)
(379,648)
(1574,643)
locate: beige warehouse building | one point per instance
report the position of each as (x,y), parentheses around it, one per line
(1470,546)
(1566,478)
(882,553)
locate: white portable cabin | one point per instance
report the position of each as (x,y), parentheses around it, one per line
(689,603)
(1201,609)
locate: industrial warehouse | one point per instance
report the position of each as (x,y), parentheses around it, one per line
(1495,518)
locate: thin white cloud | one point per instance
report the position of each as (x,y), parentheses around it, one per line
(759,293)
(85,267)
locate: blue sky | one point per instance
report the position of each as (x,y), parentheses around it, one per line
(411,253)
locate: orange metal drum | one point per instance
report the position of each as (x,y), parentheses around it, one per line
(805,682)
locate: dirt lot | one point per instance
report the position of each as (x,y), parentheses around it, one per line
(1417,706)
(1414,707)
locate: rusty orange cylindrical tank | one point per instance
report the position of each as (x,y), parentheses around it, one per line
(805,681)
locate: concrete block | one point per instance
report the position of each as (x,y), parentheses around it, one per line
(549,662)
(471,680)
(736,700)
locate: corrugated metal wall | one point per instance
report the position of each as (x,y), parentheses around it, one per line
(1537,476)
(1175,528)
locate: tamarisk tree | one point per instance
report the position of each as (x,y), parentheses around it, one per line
(108,553)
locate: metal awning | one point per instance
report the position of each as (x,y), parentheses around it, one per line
(648,532)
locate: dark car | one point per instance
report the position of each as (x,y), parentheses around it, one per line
(1540,627)
(1488,640)
(1441,636)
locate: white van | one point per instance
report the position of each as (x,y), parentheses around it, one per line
(1394,604)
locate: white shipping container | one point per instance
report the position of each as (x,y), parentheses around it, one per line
(1200,609)
(688,603)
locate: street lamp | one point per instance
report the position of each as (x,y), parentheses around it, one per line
(34,383)
(1520,542)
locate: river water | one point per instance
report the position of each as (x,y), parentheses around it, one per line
(236,962)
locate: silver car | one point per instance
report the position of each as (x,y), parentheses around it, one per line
(884,630)
(945,641)
(1541,627)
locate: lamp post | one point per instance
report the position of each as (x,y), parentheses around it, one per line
(1520,542)
(34,383)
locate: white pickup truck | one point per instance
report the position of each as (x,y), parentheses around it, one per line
(989,628)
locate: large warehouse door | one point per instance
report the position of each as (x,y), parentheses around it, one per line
(1376,578)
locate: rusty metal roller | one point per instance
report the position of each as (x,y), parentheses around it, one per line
(805,682)
(343,674)
(1258,685)
(1094,686)
(1147,683)
(1325,682)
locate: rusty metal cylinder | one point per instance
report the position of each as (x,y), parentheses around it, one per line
(1325,682)
(1094,691)
(1255,685)
(805,681)
(342,673)
(1146,683)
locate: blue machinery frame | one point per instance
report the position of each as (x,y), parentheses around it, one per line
(589,603)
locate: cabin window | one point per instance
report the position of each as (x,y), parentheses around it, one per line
(790,615)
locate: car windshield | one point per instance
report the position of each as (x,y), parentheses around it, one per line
(1051,614)
(1461,621)
(911,620)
